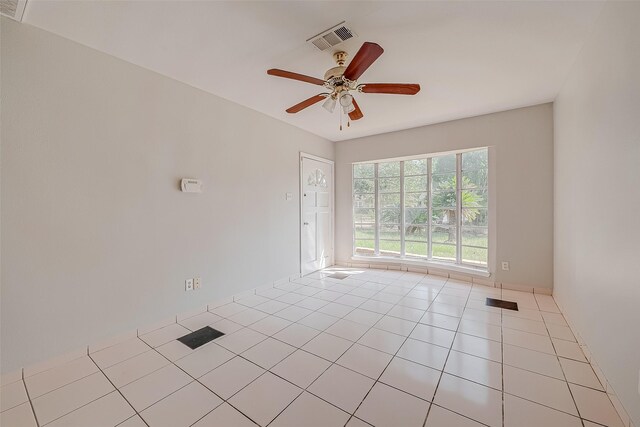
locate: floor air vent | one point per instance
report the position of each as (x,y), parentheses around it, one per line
(13,9)
(509,305)
(332,36)
(200,337)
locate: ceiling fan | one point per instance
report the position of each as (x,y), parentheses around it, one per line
(341,81)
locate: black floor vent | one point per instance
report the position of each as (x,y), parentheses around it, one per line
(509,305)
(200,337)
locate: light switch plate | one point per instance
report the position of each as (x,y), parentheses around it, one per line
(288,196)
(188,285)
(505,265)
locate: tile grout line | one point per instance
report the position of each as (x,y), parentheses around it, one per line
(198,381)
(353,308)
(351,415)
(298,348)
(114,386)
(329,287)
(353,343)
(564,375)
(557,357)
(33,410)
(450,349)
(435,391)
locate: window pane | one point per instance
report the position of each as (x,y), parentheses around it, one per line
(415,232)
(363,200)
(389,248)
(389,185)
(443,252)
(363,170)
(390,216)
(475,236)
(443,216)
(442,164)
(415,183)
(364,186)
(365,231)
(475,159)
(477,217)
(475,179)
(415,167)
(474,256)
(390,232)
(474,198)
(416,200)
(389,169)
(443,234)
(364,215)
(364,247)
(416,216)
(390,200)
(444,199)
(443,182)
(416,249)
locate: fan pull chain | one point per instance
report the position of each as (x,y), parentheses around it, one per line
(340,120)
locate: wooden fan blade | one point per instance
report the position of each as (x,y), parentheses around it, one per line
(366,56)
(295,76)
(392,88)
(306,103)
(357,113)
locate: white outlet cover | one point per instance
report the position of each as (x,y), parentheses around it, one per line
(288,196)
(197,283)
(191,185)
(505,265)
(188,285)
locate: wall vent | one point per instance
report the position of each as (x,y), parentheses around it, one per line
(13,9)
(332,37)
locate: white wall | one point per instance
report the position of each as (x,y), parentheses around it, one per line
(521,160)
(96,237)
(597,199)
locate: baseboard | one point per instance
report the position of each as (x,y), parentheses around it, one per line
(469,278)
(118,339)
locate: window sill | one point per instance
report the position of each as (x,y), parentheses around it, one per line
(421,263)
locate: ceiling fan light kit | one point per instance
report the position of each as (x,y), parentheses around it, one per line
(341,81)
(329,104)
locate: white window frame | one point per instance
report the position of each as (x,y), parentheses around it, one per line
(458,264)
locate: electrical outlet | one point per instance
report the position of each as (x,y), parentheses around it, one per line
(288,196)
(188,285)
(197,283)
(505,265)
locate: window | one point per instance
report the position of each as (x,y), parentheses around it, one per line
(433,208)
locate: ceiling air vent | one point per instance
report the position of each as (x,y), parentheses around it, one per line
(13,9)
(333,36)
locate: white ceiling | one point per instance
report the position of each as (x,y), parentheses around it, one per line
(470,58)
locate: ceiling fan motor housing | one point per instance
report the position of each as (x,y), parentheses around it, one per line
(334,73)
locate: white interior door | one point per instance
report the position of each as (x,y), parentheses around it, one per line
(316,214)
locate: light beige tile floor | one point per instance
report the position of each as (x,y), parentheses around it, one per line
(382,348)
